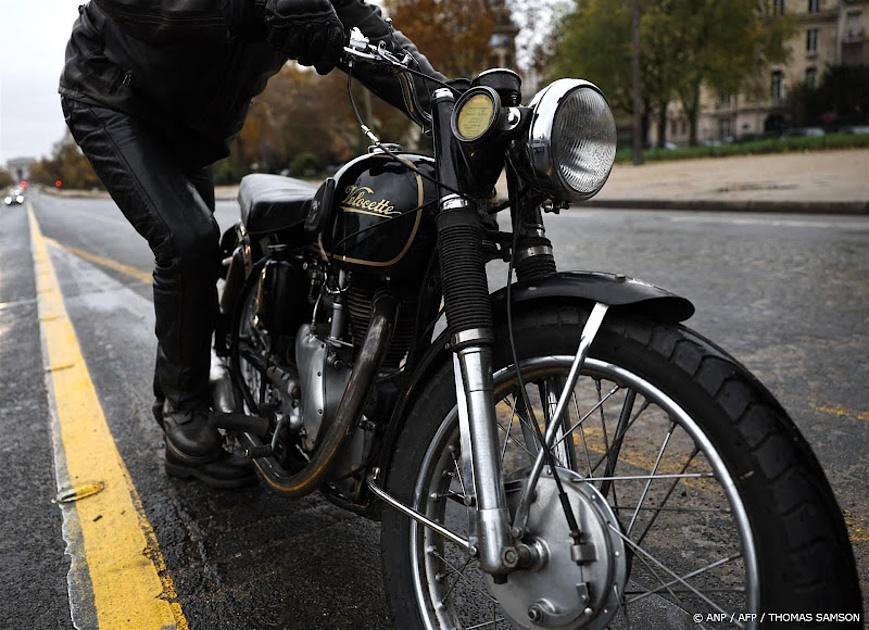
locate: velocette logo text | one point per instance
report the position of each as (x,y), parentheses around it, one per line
(359,199)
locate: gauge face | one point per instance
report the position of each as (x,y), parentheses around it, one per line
(475,116)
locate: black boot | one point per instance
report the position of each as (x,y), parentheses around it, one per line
(190,436)
(226,471)
(194,448)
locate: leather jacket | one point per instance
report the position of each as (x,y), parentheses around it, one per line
(174,65)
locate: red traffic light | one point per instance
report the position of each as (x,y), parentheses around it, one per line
(58,184)
(24,184)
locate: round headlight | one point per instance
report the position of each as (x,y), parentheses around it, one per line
(572,139)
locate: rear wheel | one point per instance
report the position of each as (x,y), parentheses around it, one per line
(697,490)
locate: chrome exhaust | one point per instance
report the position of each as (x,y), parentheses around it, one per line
(371,355)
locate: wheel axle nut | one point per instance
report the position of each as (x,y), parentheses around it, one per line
(535,613)
(510,557)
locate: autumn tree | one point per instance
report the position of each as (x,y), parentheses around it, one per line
(5,178)
(453,34)
(684,45)
(305,119)
(67,164)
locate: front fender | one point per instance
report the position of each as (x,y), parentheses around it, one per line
(622,294)
(619,292)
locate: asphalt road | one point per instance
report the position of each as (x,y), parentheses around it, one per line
(788,296)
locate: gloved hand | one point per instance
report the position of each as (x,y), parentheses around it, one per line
(306,30)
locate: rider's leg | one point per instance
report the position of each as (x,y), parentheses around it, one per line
(171,206)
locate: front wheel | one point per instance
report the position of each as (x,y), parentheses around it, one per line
(701,498)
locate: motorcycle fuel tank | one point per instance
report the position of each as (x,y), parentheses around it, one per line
(382,208)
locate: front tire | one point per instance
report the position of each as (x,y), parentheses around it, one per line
(786,548)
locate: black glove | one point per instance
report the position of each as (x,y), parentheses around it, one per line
(306,30)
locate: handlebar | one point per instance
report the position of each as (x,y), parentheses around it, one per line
(359,48)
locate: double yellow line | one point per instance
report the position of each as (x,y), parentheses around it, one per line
(118,578)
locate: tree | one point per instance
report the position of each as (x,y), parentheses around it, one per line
(67,164)
(5,178)
(453,34)
(841,98)
(595,42)
(684,43)
(726,45)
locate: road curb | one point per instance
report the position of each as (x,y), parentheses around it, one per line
(721,205)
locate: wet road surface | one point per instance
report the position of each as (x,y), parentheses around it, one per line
(788,296)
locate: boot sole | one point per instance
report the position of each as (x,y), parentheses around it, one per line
(185,472)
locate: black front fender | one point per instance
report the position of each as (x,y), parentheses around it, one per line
(622,294)
(617,291)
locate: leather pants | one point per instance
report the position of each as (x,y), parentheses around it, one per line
(170,204)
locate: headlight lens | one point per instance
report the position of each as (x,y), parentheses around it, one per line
(572,140)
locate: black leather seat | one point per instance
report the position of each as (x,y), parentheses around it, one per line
(273,202)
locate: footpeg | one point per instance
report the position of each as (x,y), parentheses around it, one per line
(241,422)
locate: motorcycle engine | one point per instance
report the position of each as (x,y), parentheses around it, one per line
(323,378)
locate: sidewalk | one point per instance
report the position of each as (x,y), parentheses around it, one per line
(819,181)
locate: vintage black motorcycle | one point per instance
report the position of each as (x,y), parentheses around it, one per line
(565,453)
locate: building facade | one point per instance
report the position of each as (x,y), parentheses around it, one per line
(827,33)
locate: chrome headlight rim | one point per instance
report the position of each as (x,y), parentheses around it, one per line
(545,105)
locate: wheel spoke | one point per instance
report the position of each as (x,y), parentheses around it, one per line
(509,428)
(649,481)
(621,428)
(582,435)
(485,623)
(668,570)
(670,490)
(461,575)
(458,468)
(686,576)
(587,415)
(642,408)
(671,591)
(456,581)
(697,475)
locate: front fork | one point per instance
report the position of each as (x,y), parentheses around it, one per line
(469,315)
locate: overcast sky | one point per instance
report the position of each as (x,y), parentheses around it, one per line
(33,35)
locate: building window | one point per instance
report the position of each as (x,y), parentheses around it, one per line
(725,128)
(852,24)
(724,101)
(812,40)
(778,7)
(812,77)
(814,6)
(777,89)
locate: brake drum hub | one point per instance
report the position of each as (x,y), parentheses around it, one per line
(569,587)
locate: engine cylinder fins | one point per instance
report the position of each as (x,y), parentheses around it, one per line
(359,304)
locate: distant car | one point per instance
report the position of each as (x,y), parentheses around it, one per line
(15,197)
(861,129)
(803,131)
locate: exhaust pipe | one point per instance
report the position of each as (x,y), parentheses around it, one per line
(384,307)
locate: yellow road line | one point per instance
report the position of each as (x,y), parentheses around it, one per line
(842,412)
(129,584)
(108,263)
